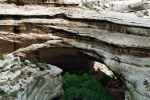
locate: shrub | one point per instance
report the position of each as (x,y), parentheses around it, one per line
(83,87)
(1,57)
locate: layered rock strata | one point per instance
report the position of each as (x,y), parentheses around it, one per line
(119,40)
(22,79)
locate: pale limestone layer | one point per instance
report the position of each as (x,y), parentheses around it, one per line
(119,40)
(24,80)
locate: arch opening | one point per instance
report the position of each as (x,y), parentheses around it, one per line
(76,61)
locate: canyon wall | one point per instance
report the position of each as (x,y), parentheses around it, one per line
(119,40)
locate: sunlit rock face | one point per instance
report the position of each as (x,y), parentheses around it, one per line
(140,8)
(118,39)
(22,79)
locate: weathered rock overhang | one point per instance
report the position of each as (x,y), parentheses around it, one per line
(121,41)
(52,3)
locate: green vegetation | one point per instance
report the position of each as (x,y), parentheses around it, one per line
(4,94)
(1,57)
(83,87)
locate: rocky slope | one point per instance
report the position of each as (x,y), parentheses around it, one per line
(119,40)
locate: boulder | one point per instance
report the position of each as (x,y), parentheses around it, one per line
(22,79)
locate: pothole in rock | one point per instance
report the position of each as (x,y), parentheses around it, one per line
(84,78)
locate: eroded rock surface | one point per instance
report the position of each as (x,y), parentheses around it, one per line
(22,79)
(119,40)
(140,8)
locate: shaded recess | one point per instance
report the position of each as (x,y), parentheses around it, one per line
(55,3)
(75,60)
(65,58)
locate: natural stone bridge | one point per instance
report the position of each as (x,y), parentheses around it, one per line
(50,34)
